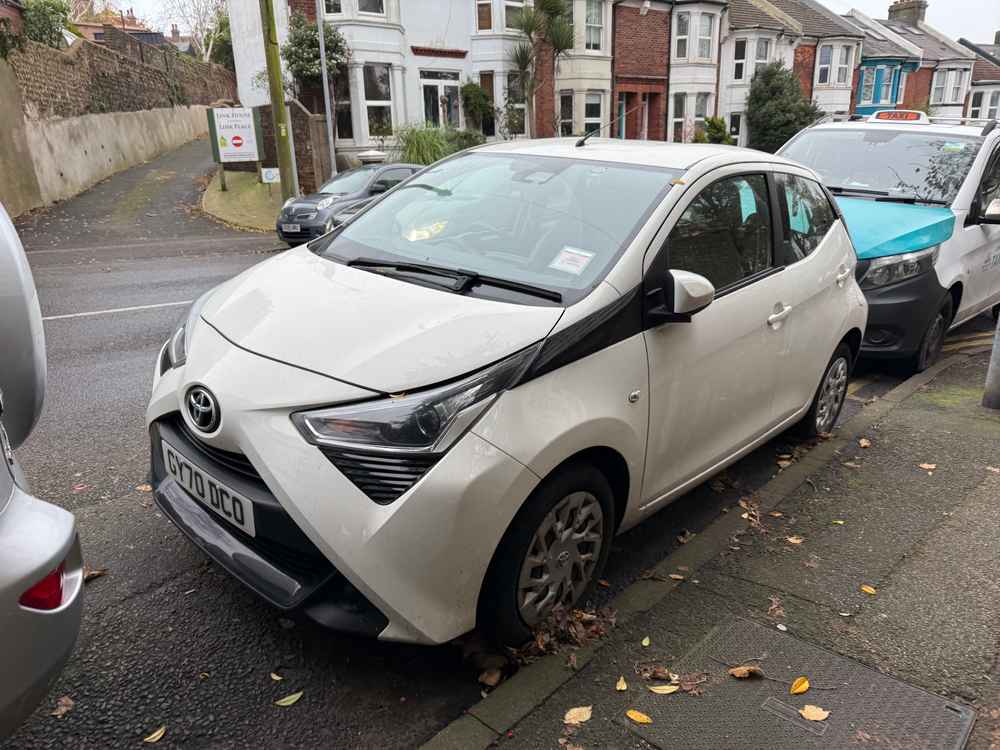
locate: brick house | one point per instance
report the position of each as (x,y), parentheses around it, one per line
(984,94)
(887,61)
(640,53)
(13,11)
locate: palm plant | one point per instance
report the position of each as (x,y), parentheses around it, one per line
(547,24)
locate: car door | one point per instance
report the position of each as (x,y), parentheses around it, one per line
(820,260)
(712,379)
(984,275)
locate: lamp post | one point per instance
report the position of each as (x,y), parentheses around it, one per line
(321,23)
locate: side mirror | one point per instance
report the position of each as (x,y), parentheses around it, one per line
(992,213)
(687,293)
(22,338)
(378,187)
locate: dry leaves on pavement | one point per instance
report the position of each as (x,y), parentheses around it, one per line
(775,514)
(567,629)
(144,488)
(90,574)
(578,715)
(664,689)
(621,686)
(646,642)
(813,713)
(684,537)
(927,467)
(799,686)
(276,677)
(746,672)
(794,539)
(638,716)
(156,736)
(289,700)
(776,610)
(63,706)
(677,576)
(491,677)
(870,590)
(865,443)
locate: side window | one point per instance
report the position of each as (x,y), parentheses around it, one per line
(990,189)
(393,177)
(725,234)
(806,215)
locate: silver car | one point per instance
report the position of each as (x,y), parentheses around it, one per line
(41,569)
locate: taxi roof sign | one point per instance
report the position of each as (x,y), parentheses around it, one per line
(899,115)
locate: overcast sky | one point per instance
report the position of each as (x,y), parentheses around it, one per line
(976,20)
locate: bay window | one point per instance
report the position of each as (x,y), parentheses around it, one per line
(885,89)
(940,81)
(484,15)
(595,24)
(592,113)
(867,85)
(844,64)
(825,61)
(678,118)
(566,113)
(372,6)
(512,10)
(700,111)
(706,23)
(739,58)
(763,54)
(958,83)
(682,30)
(334,6)
(378,97)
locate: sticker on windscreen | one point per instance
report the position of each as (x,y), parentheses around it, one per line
(571,260)
(952,148)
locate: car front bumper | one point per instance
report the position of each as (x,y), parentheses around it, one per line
(35,537)
(308,230)
(409,570)
(899,315)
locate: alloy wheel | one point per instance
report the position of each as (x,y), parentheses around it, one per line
(562,557)
(831,395)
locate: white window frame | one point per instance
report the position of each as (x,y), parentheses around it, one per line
(739,127)
(591,120)
(845,64)
(939,85)
(885,94)
(739,63)
(678,37)
(993,108)
(676,118)
(507,5)
(901,88)
(701,96)
(957,85)
(822,67)
(976,109)
(589,26)
(867,85)
(328,3)
(563,120)
(703,38)
(369,103)
(758,61)
(372,12)
(488,4)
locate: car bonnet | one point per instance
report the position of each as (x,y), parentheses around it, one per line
(879,229)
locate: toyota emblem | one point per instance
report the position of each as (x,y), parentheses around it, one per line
(203,409)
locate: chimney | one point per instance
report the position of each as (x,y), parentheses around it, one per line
(908,11)
(175,33)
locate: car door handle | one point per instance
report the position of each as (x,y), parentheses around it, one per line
(842,276)
(775,320)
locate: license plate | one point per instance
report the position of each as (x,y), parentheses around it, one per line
(210,492)
(291,228)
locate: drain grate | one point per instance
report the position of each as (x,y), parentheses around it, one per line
(867,708)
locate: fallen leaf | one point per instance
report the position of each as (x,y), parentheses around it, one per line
(799,686)
(621,686)
(203,675)
(289,700)
(746,671)
(685,568)
(603,584)
(927,467)
(870,590)
(645,642)
(781,626)
(276,677)
(775,514)
(784,463)
(89,574)
(684,537)
(491,677)
(776,610)
(813,713)
(865,443)
(638,716)
(677,576)
(663,689)
(571,661)
(144,488)
(851,464)
(156,736)
(837,522)
(63,706)
(794,539)
(578,715)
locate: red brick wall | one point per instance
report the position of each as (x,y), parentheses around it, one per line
(14,14)
(855,82)
(306,7)
(805,62)
(642,54)
(918,88)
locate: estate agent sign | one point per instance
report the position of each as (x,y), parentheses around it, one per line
(234,134)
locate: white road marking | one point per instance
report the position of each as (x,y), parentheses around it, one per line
(118,310)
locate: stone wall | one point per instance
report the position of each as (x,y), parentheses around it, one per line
(642,55)
(312,153)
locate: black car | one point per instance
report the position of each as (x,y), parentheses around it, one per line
(310,216)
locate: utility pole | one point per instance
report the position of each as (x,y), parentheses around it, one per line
(321,23)
(991,397)
(278,109)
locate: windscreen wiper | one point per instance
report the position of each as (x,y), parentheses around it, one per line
(423,185)
(839,190)
(474,279)
(909,199)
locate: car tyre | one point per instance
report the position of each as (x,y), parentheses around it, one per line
(830,395)
(932,343)
(553,551)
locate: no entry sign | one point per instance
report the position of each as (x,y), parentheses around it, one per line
(233,132)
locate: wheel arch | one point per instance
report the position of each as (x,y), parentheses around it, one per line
(956,290)
(853,339)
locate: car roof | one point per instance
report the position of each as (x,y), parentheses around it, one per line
(930,128)
(644,153)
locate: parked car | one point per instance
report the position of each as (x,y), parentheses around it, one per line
(41,569)
(921,198)
(513,356)
(310,216)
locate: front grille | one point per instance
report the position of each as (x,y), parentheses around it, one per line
(382,478)
(233,461)
(306,215)
(304,236)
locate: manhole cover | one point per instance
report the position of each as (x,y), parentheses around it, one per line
(867,709)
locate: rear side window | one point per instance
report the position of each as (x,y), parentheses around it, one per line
(806,215)
(393,177)
(725,234)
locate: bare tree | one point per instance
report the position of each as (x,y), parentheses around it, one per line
(199,17)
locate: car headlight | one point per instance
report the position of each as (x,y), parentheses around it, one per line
(177,346)
(425,422)
(287,203)
(889,270)
(325,203)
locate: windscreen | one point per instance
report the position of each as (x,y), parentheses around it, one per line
(349,182)
(901,163)
(552,222)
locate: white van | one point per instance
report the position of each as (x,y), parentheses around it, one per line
(921,199)
(440,413)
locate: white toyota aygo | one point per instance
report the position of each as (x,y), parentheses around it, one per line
(439,414)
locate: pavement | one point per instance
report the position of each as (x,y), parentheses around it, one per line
(902,499)
(167,638)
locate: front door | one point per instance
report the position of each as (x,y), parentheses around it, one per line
(712,379)
(441,98)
